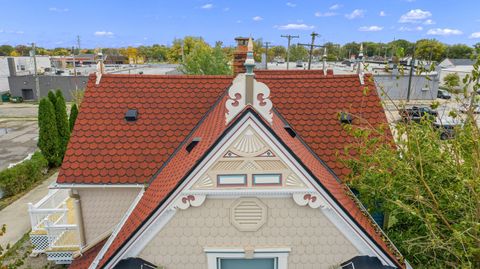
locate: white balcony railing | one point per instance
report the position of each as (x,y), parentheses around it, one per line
(54,229)
(50,207)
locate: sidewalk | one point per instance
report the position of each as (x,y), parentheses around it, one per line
(15,216)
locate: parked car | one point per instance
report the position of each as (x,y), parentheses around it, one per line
(464,108)
(446,127)
(443,94)
(299,64)
(417,113)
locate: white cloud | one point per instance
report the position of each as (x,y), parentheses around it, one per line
(291,4)
(474,35)
(207,6)
(429,22)
(326,14)
(444,32)
(373,28)
(357,13)
(410,29)
(103,33)
(382,14)
(55,9)
(335,7)
(226,9)
(257,18)
(295,26)
(415,16)
(239,21)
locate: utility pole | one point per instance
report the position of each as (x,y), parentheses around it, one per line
(78,44)
(312,45)
(266,54)
(412,65)
(289,37)
(37,82)
(74,69)
(313,34)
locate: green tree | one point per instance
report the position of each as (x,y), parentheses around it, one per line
(477,48)
(400,43)
(61,52)
(5,50)
(183,47)
(459,51)
(73,116)
(52,97)
(428,187)
(452,80)
(48,140)
(279,51)
(298,53)
(63,126)
(22,50)
(351,48)
(203,60)
(430,49)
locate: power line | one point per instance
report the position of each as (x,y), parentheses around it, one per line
(312,45)
(289,37)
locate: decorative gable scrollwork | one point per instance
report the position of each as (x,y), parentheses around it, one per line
(237,102)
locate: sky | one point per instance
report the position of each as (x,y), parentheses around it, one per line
(118,23)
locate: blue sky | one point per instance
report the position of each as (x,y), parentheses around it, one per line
(121,23)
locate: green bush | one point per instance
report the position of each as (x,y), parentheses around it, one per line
(23,175)
(63,125)
(73,116)
(48,140)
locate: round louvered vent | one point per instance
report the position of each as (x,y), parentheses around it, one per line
(248,214)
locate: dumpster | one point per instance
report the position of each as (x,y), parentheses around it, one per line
(6,97)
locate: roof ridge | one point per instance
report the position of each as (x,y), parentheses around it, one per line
(168,76)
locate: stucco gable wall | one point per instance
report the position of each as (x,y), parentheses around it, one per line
(103,208)
(314,241)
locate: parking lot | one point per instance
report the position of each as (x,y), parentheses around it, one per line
(18,132)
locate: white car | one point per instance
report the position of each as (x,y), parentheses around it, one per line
(465,107)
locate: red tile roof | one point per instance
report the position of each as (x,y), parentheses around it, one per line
(84,261)
(170,107)
(106,149)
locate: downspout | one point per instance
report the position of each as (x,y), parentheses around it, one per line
(77,208)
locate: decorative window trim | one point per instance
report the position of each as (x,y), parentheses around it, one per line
(219,184)
(279,183)
(215,254)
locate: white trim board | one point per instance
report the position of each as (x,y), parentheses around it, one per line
(336,215)
(214,254)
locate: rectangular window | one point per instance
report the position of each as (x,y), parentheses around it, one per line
(232,180)
(262,263)
(267,179)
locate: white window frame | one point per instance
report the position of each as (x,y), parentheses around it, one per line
(215,254)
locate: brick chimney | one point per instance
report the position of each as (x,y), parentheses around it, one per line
(240,55)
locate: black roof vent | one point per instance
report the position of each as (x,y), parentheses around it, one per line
(345,118)
(290,130)
(131,115)
(193,143)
